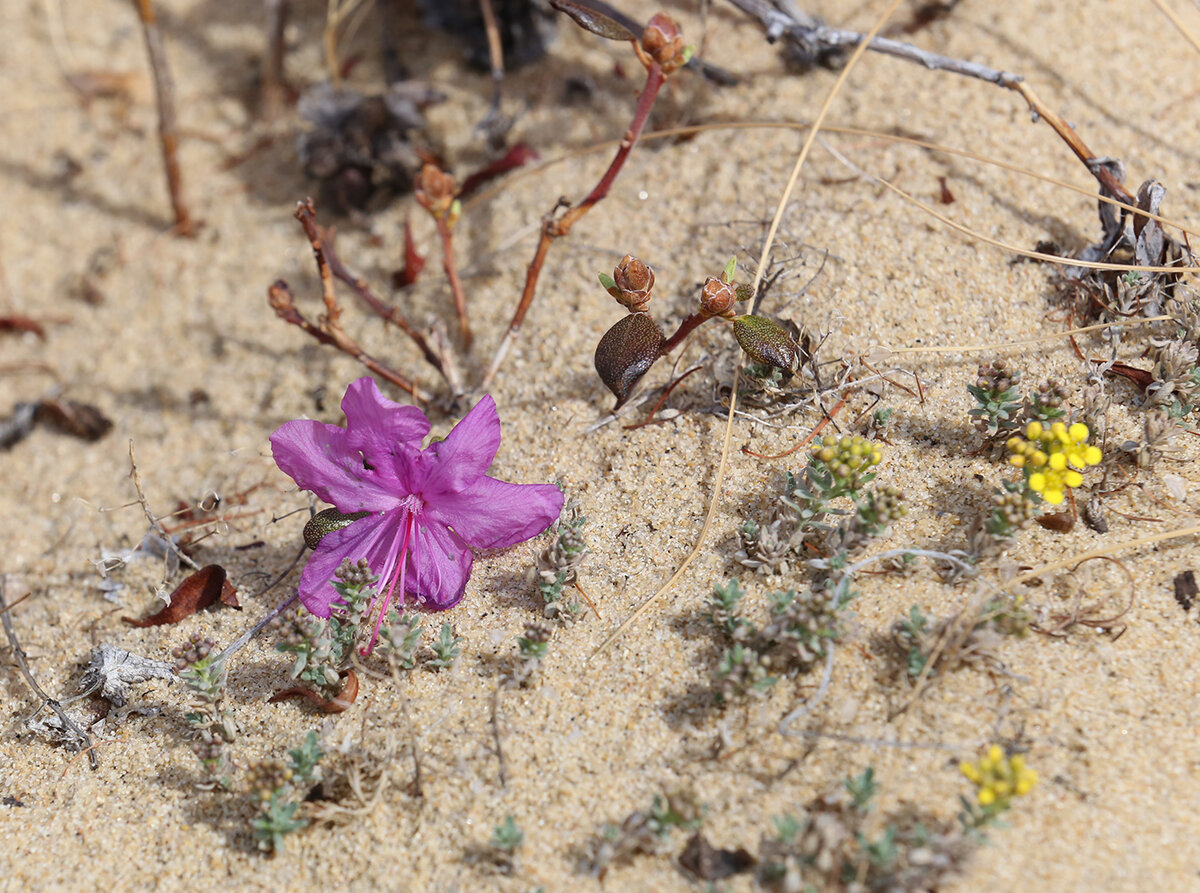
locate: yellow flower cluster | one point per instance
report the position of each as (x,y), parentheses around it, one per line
(1045,454)
(999,778)
(845,456)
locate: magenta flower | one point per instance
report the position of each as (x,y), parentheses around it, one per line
(428,507)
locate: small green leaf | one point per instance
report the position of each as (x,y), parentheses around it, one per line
(591,20)
(730,269)
(607,281)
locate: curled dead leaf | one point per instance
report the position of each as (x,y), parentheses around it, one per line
(344,698)
(203,588)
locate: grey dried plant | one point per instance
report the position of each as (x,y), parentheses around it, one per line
(644,832)
(830,844)
(112,670)
(1158,431)
(1176,372)
(970,637)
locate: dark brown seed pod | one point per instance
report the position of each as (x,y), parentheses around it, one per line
(326,522)
(765,341)
(626,352)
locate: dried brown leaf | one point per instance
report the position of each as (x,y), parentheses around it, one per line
(203,588)
(343,700)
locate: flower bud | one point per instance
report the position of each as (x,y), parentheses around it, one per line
(765,342)
(434,190)
(718,298)
(662,42)
(626,352)
(633,279)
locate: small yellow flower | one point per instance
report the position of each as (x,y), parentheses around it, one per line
(998,778)
(1049,457)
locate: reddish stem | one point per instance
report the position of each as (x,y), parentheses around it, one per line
(686,328)
(553,228)
(460,299)
(164,96)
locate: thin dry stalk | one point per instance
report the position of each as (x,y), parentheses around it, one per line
(155,521)
(22,660)
(439,358)
(274,90)
(456,289)
(164,97)
(1081,615)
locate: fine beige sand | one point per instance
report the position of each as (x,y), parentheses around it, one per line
(186,357)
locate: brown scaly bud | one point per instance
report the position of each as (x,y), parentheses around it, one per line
(663,43)
(633,279)
(718,298)
(434,190)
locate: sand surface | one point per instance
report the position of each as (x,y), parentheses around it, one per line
(188,360)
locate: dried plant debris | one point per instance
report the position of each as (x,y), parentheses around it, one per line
(526,28)
(969,637)
(359,145)
(644,833)
(1127,238)
(112,670)
(203,588)
(17,426)
(1186,590)
(52,726)
(80,420)
(706,863)
(829,844)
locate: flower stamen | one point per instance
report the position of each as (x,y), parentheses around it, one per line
(397,577)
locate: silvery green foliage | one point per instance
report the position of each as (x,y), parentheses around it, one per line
(558,566)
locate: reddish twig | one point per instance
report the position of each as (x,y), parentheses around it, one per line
(327,330)
(686,328)
(554,227)
(344,698)
(385,311)
(456,289)
(164,96)
(434,191)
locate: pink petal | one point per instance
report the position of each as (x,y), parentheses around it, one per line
(313,455)
(440,564)
(374,424)
(491,514)
(371,538)
(352,467)
(464,456)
